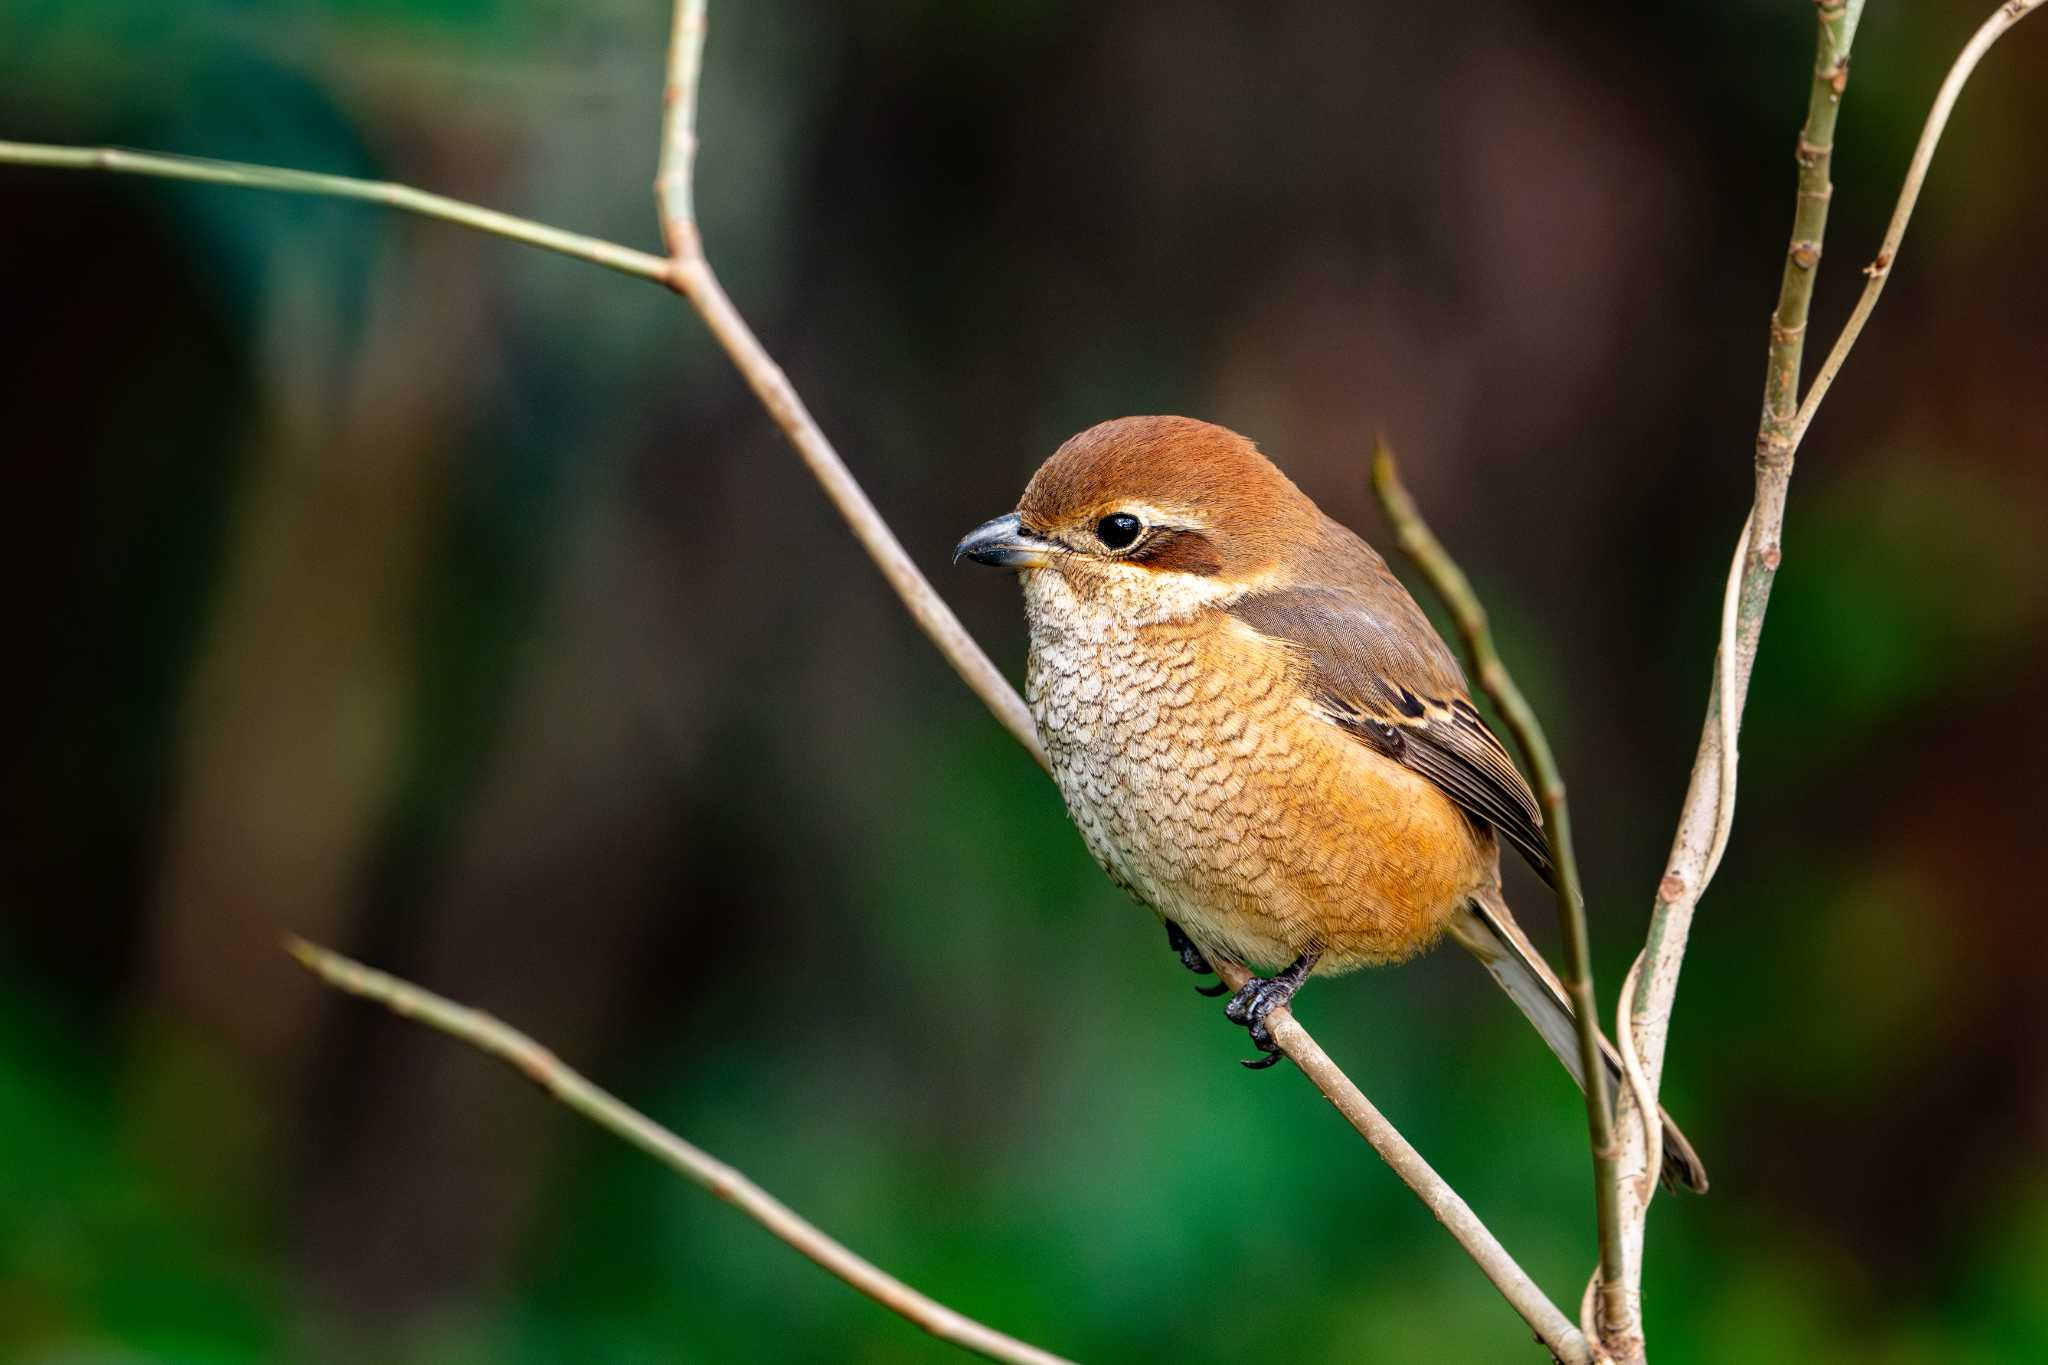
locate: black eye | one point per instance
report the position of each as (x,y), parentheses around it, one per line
(1118,529)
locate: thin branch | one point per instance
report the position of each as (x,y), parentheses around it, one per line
(693,279)
(1708,801)
(1638,1084)
(1880,270)
(1641,1087)
(690,275)
(1815,155)
(1422,546)
(1708,811)
(607,1111)
(1545,1319)
(675,180)
(402,197)
(1708,807)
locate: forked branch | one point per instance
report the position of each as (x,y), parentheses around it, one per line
(1880,270)
(1645,1017)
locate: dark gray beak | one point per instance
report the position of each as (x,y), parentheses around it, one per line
(1005,544)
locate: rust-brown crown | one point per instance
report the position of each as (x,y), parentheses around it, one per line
(1229,509)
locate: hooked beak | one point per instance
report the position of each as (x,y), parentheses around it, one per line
(1005,544)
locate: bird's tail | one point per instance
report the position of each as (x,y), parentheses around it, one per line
(1485,929)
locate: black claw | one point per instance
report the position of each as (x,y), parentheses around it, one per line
(1259,997)
(1190,956)
(1213,989)
(1263,1041)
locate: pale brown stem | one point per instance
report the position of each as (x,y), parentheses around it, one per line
(287,181)
(1709,800)
(1545,1319)
(497,1039)
(675,181)
(689,274)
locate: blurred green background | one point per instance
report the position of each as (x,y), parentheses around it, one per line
(455,605)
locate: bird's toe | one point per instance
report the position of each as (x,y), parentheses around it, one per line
(1248,1008)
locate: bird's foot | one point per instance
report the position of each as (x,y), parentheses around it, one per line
(1192,959)
(1258,998)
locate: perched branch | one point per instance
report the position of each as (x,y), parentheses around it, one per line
(1708,808)
(607,1111)
(693,278)
(1422,546)
(1545,1319)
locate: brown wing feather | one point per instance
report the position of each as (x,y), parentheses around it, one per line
(1386,677)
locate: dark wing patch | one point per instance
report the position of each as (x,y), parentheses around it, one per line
(1404,697)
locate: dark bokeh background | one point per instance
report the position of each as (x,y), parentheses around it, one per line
(454,604)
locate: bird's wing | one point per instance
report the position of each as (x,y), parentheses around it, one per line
(1382,673)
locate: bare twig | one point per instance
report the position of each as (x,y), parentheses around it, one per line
(607,1111)
(1708,812)
(1880,269)
(283,180)
(690,275)
(676,179)
(1709,800)
(1642,1089)
(1639,1084)
(1815,155)
(1421,545)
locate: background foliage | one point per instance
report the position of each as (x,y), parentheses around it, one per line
(454,604)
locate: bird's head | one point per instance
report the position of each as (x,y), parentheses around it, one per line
(1152,517)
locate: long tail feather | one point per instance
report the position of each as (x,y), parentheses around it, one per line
(1485,929)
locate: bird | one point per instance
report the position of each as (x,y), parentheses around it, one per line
(1259,734)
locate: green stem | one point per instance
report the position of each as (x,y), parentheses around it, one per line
(1422,546)
(1880,269)
(1815,154)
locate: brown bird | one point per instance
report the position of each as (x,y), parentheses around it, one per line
(1258,732)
